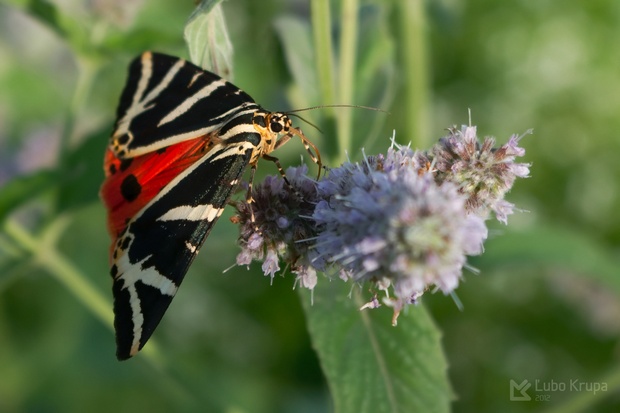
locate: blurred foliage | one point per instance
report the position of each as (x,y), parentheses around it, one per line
(545,306)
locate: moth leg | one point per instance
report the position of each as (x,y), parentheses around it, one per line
(314,153)
(282,173)
(248,195)
(282,141)
(312,150)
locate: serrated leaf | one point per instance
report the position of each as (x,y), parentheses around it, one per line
(371,366)
(207,39)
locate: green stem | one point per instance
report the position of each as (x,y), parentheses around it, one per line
(321,30)
(346,77)
(415,55)
(47,257)
(63,270)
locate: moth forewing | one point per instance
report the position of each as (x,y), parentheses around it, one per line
(182,141)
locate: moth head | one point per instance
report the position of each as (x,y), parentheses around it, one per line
(278,123)
(276,129)
(273,123)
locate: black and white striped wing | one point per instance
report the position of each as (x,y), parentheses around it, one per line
(182,141)
(168,100)
(161,241)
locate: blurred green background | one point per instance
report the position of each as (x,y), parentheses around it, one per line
(545,306)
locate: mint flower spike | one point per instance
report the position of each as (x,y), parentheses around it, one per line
(282,227)
(482,172)
(404,221)
(387,221)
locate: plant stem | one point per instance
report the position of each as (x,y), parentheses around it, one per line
(415,56)
(47,257)
(64,271)
(321,30)
(346,76)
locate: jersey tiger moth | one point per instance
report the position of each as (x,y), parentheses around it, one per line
(181,143)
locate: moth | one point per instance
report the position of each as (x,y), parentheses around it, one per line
(181,143)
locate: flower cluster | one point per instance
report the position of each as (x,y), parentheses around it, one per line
(482,172)
(276,224)
(404,221)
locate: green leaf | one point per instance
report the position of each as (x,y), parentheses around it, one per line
(296,39)
(77,181)
(207,38)
(44,11)
(24,188)
(300,54)
(138,39)
(370,365)
(553,248)
(375,75)
(82,172)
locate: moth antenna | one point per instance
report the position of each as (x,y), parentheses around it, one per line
(337,106)
(293,112)
(305,120)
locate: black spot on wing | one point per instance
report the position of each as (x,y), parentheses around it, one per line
(123,139)
(130,188)
(125,243)
(161,245)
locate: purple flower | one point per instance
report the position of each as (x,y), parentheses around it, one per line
(404,221)
(306,276)
(482,172)
(281,228)
(396,225)
(271,263)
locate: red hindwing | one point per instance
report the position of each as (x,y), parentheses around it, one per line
(130,184)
